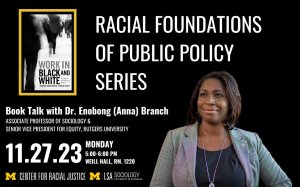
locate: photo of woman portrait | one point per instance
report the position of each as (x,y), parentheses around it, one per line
(210,150)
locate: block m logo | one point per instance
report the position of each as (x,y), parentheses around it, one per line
(95,176)
(10,176)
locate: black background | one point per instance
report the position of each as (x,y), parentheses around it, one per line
(263,64)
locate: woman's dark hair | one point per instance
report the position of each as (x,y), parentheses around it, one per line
(232,93)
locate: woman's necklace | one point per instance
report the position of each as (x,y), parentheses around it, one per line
(211,182)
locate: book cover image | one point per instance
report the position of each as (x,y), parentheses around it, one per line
(47,52)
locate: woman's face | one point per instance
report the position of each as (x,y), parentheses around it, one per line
(212,101)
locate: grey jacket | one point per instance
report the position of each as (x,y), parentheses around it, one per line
(177,159)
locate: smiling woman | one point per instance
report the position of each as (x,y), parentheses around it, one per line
(216,86)
(210,150)
(212,102)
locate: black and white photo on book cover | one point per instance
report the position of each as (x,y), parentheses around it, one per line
(47,52)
